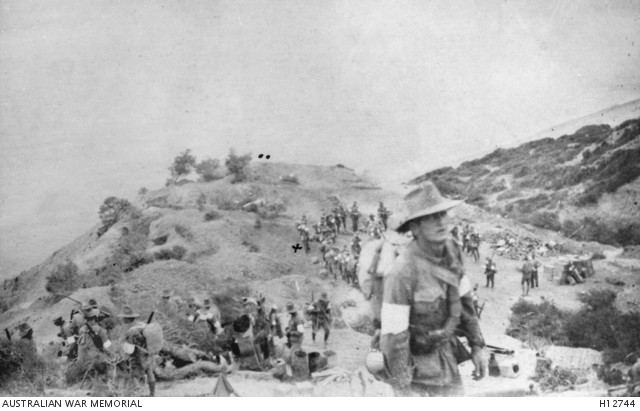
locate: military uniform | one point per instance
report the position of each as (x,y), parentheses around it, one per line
(490,272)
(420,313)
(355,215)
(527,274)
(321,317)
(295,329)
(141,361)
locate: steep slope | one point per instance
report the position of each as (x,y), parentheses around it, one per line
(585,184)
(223,246)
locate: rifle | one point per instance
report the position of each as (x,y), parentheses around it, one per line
(6,330)
(150,317)
(629,387)
(500,350)
(78,302)
(481,309)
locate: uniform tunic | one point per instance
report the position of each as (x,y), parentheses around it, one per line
(420,312)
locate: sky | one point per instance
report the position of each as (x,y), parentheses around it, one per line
(97,97)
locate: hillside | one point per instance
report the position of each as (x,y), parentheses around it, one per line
(584,184)
(225,249)
(226,254)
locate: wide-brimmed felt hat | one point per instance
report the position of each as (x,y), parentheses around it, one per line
(423,201)
(127,312)
(92,313)
(324,296)
(24,329)
(291,308)
(167,293)
(206,303)
(92,303)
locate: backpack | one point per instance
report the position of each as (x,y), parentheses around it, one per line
(148,336)
(375,260)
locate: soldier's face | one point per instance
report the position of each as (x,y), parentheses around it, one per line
(432,228)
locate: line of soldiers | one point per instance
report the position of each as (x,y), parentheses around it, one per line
(342,261)
(330,224)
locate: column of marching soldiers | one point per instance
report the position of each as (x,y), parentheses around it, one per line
(342,262)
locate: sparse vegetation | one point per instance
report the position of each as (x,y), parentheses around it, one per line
(130,253)
(21,368)
(64,280)
(183,232)
(175,253)
(598,325)
(113,210)
(212,215)
(290,178)
(209,170)
(182,165)
(238,166)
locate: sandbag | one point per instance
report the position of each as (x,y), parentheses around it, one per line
(154,338)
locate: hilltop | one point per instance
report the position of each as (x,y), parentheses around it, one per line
(584,184)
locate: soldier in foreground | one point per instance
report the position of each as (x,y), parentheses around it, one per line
(421,306)
(321,316)
(141,361)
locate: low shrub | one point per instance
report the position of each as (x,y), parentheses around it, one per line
(64,279)
(598,325)
(21,366)
(212,215)
(175,253)
(183,232)
(272,210)
(513,193)
(290,178)
(545,219)
(531,321)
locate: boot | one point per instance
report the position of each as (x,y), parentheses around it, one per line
(152,388)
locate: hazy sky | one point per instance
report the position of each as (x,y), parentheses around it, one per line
(97,97)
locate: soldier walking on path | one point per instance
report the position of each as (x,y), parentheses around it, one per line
(337,220)
(305,240)
(356,248)
(342,213)
(355,215)
(534,274)
(320,312)
(527,274)
(422,307)
(490,272)
(383,215)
